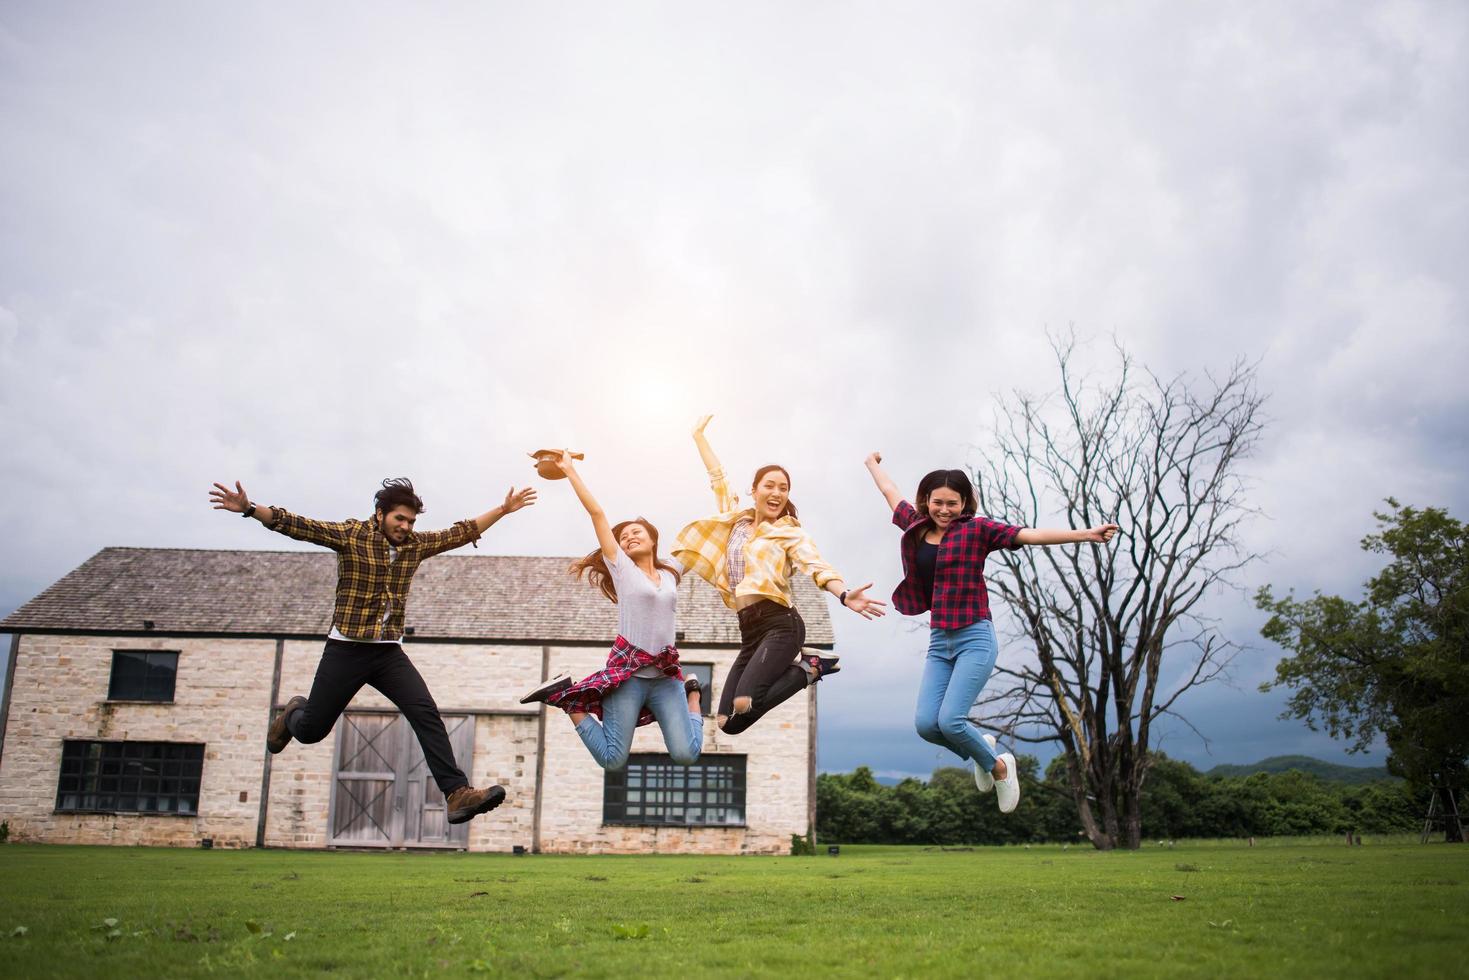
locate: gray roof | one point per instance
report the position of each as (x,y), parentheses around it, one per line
(289,593)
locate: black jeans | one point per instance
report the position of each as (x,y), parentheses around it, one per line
(765,671)
(344,668)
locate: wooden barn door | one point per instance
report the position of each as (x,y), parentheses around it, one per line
(382,792)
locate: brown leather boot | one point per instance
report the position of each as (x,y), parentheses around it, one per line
(278,736)
(466,802)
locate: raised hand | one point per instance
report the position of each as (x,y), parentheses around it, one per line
(565,463)
(1102,533)
(700,425)
(859,603)
(885,484)
(516,499)
(235,501)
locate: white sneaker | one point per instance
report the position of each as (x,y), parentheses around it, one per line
(983,781)
(1008,789)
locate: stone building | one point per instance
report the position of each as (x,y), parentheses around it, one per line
(142,683)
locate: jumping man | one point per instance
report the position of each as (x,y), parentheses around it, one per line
(376,559)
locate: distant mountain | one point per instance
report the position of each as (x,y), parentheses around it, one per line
(1327,771)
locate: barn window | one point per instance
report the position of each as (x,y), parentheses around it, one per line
(142,675)
(130,777)
(653,789)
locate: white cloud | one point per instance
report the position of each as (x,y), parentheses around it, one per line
(311,248)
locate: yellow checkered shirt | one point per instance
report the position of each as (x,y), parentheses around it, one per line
(774,550)
(372,591)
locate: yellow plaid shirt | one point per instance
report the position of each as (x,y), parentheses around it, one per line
(773,551)
(372,590)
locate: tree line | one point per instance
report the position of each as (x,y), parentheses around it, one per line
(1177,802)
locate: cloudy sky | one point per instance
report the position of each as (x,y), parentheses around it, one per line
(312,248)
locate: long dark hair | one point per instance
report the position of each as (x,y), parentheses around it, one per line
(594,566)
(789,508)
(955,480)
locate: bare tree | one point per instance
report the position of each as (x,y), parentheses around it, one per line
(1161,457)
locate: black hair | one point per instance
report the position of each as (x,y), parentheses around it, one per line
(789,510)
(398,492)
(955,480)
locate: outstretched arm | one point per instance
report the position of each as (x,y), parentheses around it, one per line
(330,534)
(468,530)
(706,452)
(237,501)
(1100,534)
(803,554)
(857,599)
(514,500)
(885,484)
(718,481)
(605,539)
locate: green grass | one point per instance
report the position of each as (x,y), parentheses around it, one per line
(1314,908)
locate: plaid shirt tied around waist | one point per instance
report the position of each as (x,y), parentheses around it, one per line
(623,660)
(773,550)
(372,588)
(959,593)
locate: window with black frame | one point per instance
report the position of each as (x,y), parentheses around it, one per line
(130,777)
(143,675)
(705,674)
(653,789)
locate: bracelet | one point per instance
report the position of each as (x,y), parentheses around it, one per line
(248,511)
(842,598)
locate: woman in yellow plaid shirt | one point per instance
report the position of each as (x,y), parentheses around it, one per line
(749,554)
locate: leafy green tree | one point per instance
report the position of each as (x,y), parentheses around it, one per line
(1384,807)
(849,807)
(854,808)
(1395,663)
(1170,800)
(1179,802)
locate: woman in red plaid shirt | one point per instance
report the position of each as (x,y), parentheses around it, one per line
(944,546)
(642,680)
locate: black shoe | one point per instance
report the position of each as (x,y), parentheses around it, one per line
(690,684)
(820,666)
(553,686)
(278,736)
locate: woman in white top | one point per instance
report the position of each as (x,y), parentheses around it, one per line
(642,680)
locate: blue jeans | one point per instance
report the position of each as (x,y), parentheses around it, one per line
(610,742)
(958,664)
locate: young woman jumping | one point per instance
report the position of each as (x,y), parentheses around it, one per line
(944,546)
(748,554)
(642,680)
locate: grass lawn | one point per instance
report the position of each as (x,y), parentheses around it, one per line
(1315,908)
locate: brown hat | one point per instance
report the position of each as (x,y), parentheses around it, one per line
(546,463)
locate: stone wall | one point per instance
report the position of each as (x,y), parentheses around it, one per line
(222,699)
(60,691)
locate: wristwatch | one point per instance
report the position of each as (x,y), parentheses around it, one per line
(248,511)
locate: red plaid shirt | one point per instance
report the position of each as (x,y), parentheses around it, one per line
(623,661)
(959,594)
